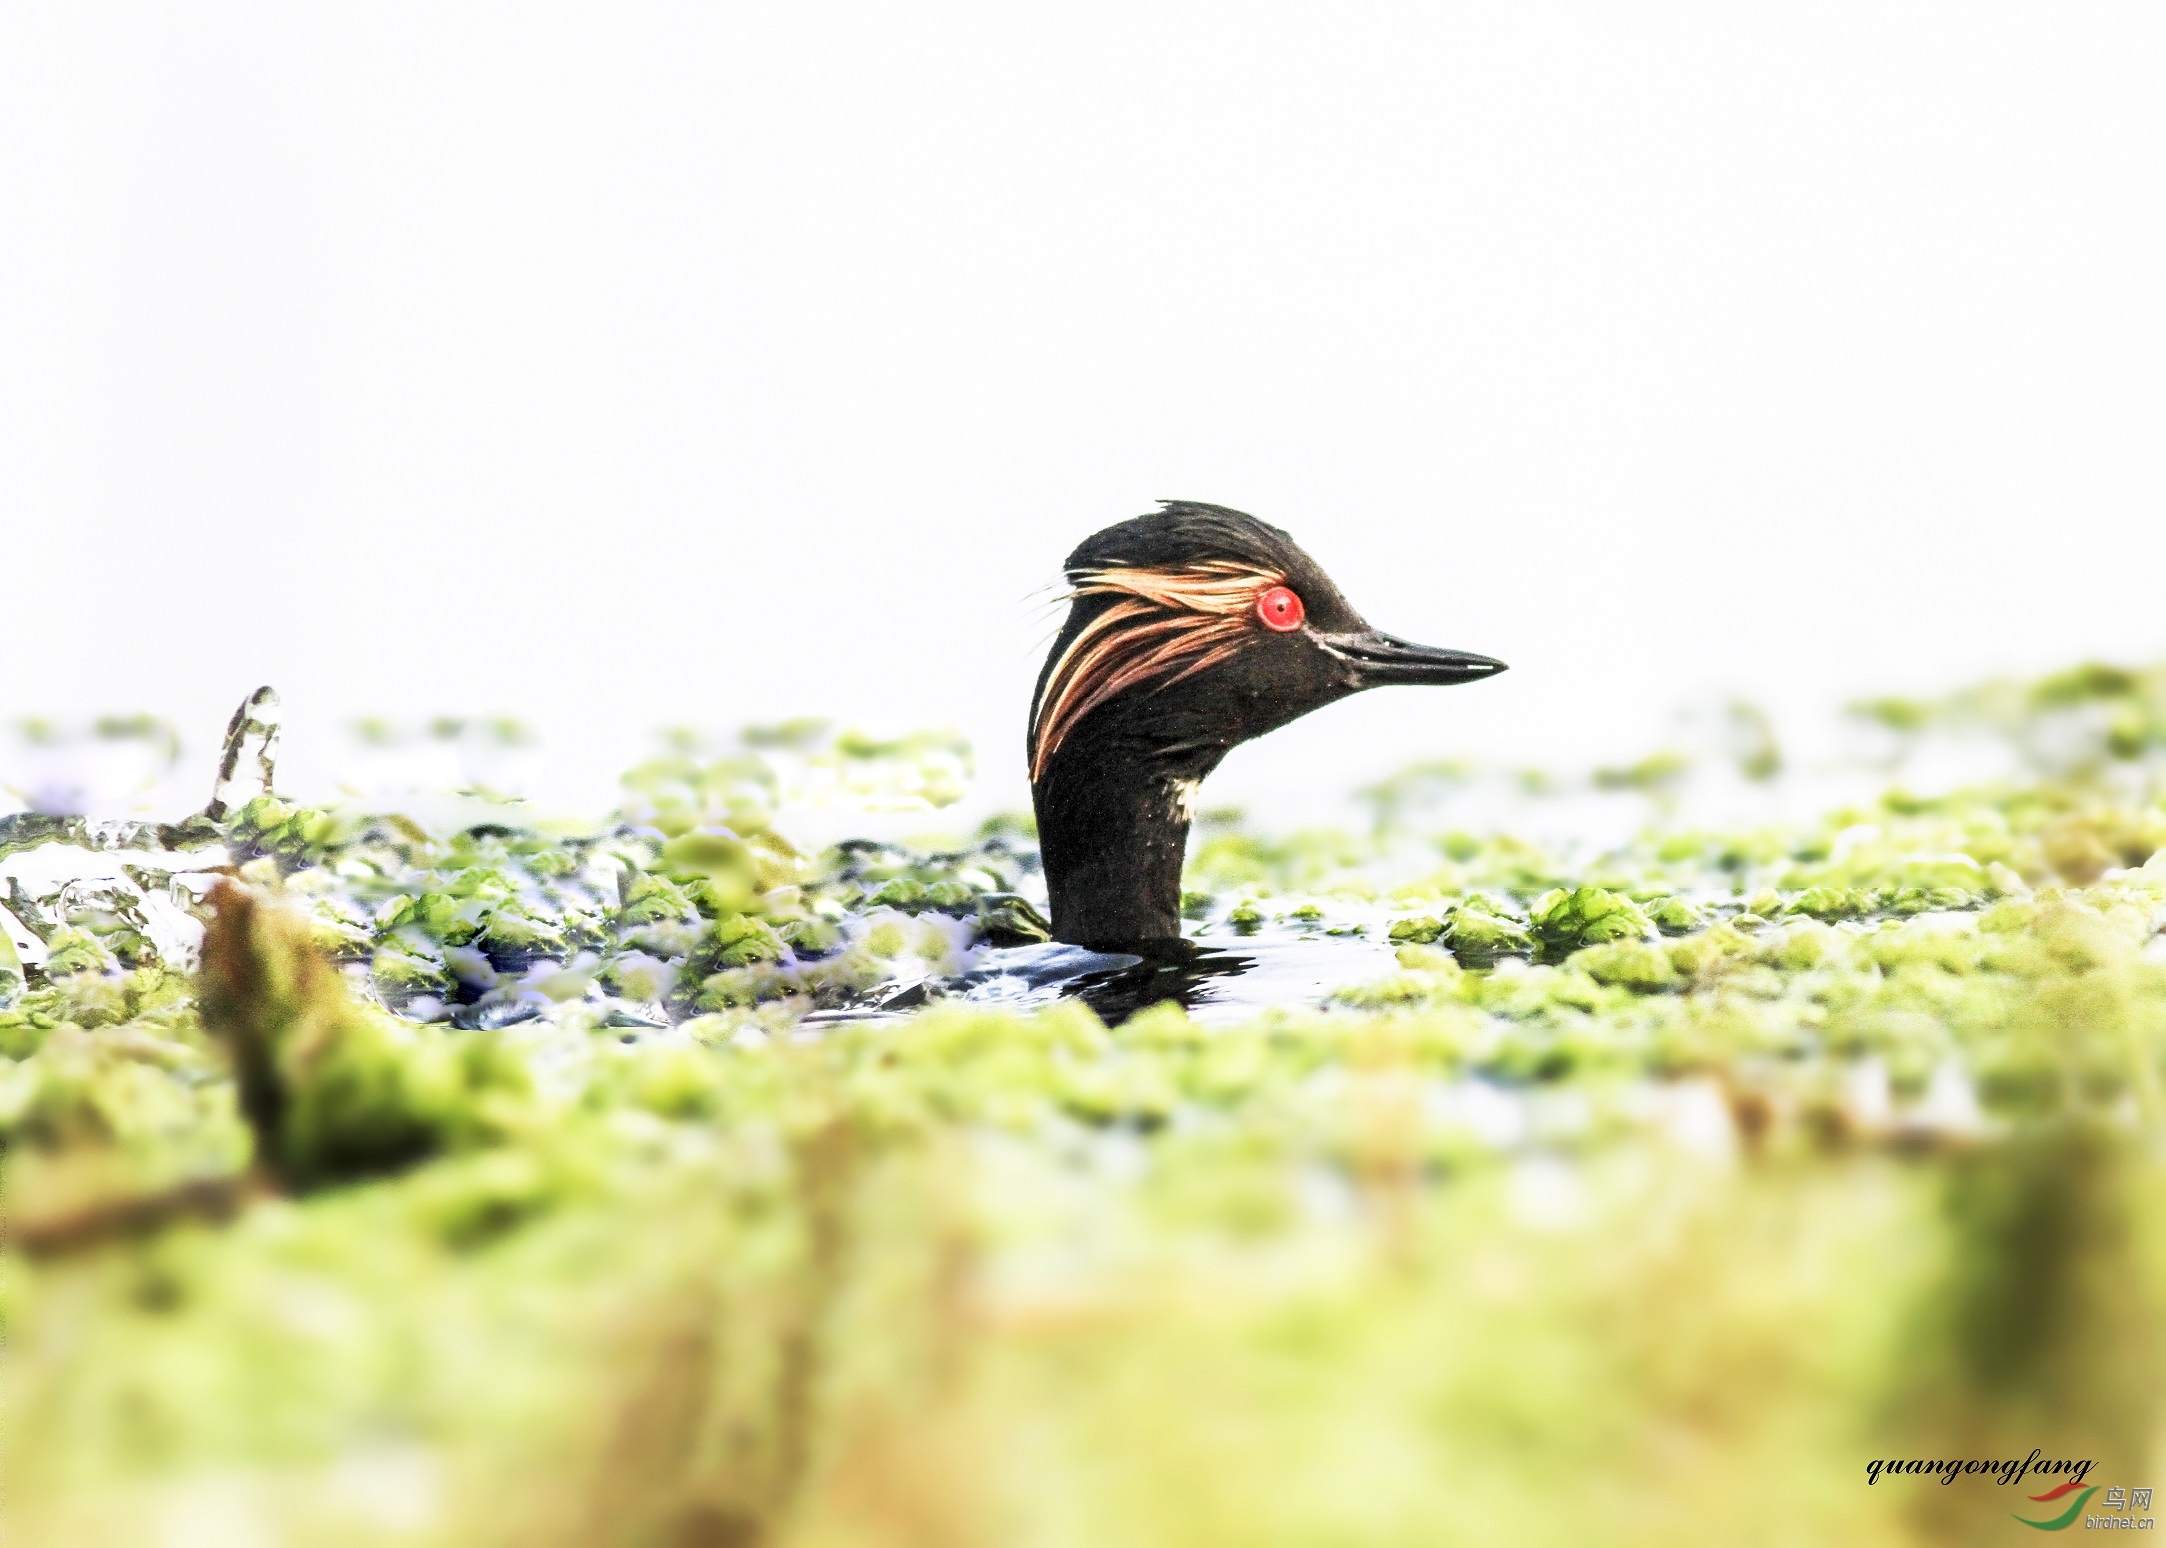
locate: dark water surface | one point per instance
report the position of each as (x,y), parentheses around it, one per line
(1215,978)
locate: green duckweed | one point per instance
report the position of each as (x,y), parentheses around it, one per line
(537,1187)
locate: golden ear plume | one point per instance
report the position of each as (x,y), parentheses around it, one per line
(1169,625)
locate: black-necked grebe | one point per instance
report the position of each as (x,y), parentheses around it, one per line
(1189,631)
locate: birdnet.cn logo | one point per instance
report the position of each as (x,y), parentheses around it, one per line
(2056,1509)
(2123,1508)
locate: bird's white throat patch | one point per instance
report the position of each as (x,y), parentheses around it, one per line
(1184,798)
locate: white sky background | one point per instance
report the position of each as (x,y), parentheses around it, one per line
(626,365)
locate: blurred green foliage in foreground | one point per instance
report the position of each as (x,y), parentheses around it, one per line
(491,1189)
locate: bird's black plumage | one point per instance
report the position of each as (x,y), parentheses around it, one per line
(1165,664)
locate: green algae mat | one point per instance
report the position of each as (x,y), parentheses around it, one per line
(373,1180)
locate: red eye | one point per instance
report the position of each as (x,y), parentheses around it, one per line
(1280,609)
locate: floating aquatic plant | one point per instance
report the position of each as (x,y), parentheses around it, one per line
(662,1181)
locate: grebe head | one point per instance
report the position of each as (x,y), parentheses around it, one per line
(1189,631)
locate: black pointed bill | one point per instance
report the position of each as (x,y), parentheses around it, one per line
(1379,660)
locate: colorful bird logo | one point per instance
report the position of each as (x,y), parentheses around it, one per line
(2066,1518)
